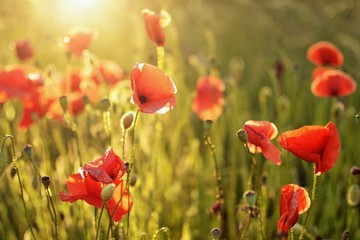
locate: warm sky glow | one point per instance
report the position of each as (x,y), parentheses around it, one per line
(80,4)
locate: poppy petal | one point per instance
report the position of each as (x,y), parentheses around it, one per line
(271,153)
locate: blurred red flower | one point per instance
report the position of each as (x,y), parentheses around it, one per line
(78,40)
(259,135)
(153,90)
(90,191)
(316,144)
(294,200)
(331,82)
(326,54)
(209,98)
(19,81)
(106,70)
(154,25)
(107,168)
(23,49)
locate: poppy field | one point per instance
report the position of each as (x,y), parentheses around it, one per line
(181,120)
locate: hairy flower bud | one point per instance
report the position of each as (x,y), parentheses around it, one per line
(64,103)
(353,195)
(127,120)
(107,192)
(242,135)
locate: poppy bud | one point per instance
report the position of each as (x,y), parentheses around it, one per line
(127,120)
(3,163)
(250,197)
(133,180)
(64,103)
(45,181)
(107,192)
(337,109)
(104,104)
(346,235)
(23,49)
(353,195)
(13,171)
(215,232)
(28,150)
(207,124)
(355,170)
(242,135)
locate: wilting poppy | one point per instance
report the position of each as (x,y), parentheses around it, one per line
(209,98)
(332,83)
(78,40)
(316,144)
(108,71)
(154,25)
(294,200)
(326,54)
(259,135)
(23,50)
(107,168)
(153,90)
(89,190)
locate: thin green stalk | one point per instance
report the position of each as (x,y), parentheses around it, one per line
(49,195)
(160,58)
(99,220)
(313,191)
(123,140)
(19,180)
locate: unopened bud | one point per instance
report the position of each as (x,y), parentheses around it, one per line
(63,103)
(215,233)
(107,192)
(250,197)
(133,180)
(45,181)
(337,109)
(242,135)
(353,195)
(355,170)
(13,171)
(207,124)
(127,120)
(357,117)
(104,104)
(28,150)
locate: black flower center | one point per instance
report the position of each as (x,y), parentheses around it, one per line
(142,99)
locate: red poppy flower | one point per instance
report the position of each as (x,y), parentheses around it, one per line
(209,98)
(90,191)
(259,135)
(333,83)
(23,50)
(153,90)
(107,168)
(78,40)
(106,70)
(19,81)
(316,144)
(318,71)
(325,54)
(154,25)
(294,200)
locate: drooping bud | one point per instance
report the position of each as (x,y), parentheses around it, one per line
(242,135)
(28,150)
(133,180)
(63,103)
(104,104)
(216,232)
(107,192)
(127,120)
(250,197)
(353,195)
(45,181)
(13,171)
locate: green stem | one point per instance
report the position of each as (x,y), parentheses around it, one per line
(160,58)
(99,220)
(164,230)
(312,203)
(49,195)
(19,179)
(123,141)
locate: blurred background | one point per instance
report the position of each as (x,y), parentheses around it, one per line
(259,49)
